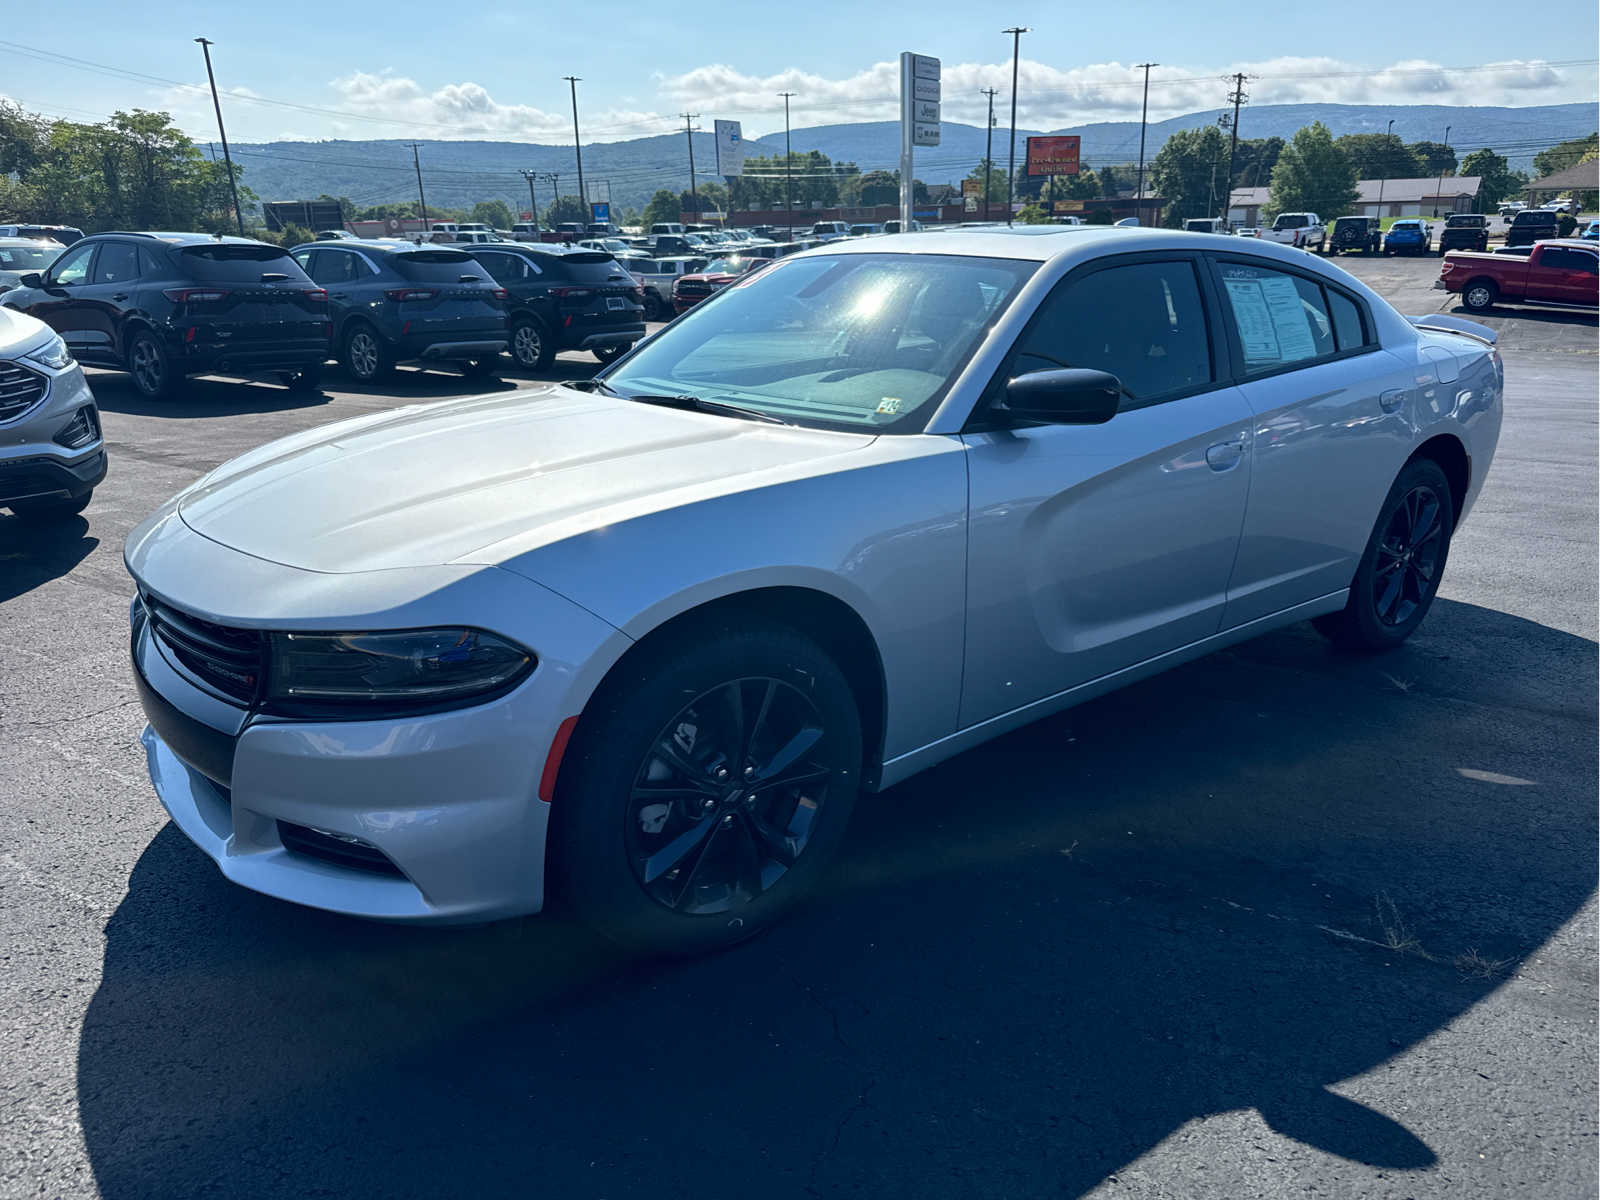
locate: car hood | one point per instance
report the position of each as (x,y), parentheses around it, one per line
(19,331)
(446,483)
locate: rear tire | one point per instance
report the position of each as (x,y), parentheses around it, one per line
(46,512)
(150,367)
(1479,295)
(707,789)
(1402,566)
(531,346)
(363,355)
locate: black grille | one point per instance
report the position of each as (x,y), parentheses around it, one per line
(340,851)
(20,390)
(694,289)
(231,660)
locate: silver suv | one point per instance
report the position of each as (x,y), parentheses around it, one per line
(51,454)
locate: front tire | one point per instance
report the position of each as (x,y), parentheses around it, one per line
(707,789)
(1403,563)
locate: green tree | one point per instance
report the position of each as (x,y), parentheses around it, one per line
(1434,157)
(566,208)
(1380,156)
(662,209)
(1547,162)
(1033,214)
(1312,175)
(1498,179)
(1085,185)
(1187,174)
(1252,166)
(496,214)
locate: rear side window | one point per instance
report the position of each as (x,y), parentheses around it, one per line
(1281,319)
(227,263)
(437,266)
(1348,330)
(118,263)
(1144,323)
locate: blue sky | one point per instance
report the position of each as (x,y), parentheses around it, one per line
(399,68)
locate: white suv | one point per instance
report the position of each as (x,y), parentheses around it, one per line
(52,456)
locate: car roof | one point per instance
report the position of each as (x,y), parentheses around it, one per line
(180,238)
(32,243)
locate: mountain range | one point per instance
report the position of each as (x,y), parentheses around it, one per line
(460,173)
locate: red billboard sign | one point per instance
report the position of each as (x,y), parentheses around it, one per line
(1053,155)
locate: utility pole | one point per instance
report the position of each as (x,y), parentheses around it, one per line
(1438,187)
(988,149)
(788,168)
(1144,116)
(1383,171)
(554,180)
(533,201)
(1238,96)
(233,186)
(1016,32)
(422,200)
(577,145)
(688,132)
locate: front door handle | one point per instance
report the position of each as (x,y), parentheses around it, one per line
(1224,455)
(1392,399)
(120,296)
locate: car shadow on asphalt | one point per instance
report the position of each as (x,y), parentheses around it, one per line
(203,396)
(1541,316)
(31,555)
(1235,887)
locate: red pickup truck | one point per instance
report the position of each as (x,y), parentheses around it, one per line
(1562,273)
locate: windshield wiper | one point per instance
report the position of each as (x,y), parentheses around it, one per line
(700,404)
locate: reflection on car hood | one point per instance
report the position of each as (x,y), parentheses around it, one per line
(438,483)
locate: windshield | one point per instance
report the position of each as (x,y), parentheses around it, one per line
(858,341)
(729,266)
(1292,221)
(27,258)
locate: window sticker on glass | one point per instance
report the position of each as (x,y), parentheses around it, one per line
(1274,326)
(1256,334)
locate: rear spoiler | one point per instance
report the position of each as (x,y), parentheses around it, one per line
(1443,323)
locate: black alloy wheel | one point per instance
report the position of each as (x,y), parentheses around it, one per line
(150,367)
(727,797)
(707,787)
(1402,566)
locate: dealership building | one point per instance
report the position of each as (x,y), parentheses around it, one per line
(1377,198)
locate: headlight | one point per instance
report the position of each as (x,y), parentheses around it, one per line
(418,667)
(53,354)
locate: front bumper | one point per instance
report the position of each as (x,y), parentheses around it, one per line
(427,818)
(32,463)
(47,476)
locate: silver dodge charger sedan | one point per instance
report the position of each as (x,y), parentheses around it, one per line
(636,645)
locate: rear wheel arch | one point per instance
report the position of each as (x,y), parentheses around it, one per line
(1452,458)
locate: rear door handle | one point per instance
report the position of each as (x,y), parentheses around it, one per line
(120,296)
(1224,455)
(1392,399)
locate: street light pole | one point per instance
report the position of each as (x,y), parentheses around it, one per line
(1438,187)
(533,201)
(577,145)
(988,150)
(422,201)
(1383,171)
(1016,32)
(1144,116)
(227,158)
(788,168)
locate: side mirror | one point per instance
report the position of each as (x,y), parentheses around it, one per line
(1068,396)
(31,280)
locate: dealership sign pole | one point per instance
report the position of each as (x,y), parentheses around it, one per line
(919,120)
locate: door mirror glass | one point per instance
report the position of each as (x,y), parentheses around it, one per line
(1068,396)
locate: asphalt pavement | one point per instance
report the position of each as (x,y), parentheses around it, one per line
(1279,923)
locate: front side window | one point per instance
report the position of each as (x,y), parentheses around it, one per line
(1281,319)
(857,341)
(72,267)
(1567,260)
(1142,322)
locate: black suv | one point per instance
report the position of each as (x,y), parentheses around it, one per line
(394,301)
(163,306)
(1531,225)
(1356,233)
(1464,231)
(578,300)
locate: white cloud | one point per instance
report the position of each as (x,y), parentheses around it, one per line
(1050,97)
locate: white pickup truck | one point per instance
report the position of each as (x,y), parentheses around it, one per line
(1302,229)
